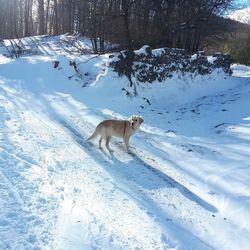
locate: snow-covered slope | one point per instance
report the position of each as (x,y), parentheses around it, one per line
(242,15)
(185,184)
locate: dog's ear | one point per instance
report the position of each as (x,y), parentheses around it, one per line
(141,120)
(131,118)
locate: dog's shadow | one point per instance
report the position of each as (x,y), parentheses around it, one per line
(163,179)
(130,169)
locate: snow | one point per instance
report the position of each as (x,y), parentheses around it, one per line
(211,59)
(242,15)
(194,57)
(142,50)
(185,184)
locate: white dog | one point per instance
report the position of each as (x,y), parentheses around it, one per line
(119,128)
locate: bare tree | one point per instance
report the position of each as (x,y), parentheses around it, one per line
(41,17)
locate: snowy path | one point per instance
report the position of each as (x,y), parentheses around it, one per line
(67,172)
(173,191)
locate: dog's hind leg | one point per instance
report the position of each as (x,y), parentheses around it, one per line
(107,143)
(100,142)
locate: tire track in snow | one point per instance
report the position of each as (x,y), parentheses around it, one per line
(129,185)
(200,219)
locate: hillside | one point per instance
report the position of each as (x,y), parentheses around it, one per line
(231,32)
(184,185)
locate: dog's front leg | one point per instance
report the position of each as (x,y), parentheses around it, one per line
(126,142)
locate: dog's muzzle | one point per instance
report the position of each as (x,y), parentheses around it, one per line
(132,125)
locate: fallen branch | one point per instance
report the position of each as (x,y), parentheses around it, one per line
(89,59)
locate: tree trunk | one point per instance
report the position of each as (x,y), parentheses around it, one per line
(41,17)
(27,18)
(56,16)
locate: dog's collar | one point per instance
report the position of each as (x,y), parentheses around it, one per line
(125,125)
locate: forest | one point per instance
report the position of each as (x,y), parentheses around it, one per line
(186,24)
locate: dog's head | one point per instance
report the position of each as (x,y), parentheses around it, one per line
(135,121)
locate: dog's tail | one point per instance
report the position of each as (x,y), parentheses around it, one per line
(94,135)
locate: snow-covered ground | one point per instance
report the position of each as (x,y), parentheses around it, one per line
(185,184)
(242,15)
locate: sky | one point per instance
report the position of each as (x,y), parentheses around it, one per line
(243,3)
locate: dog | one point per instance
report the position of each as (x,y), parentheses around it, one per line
(119,128)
